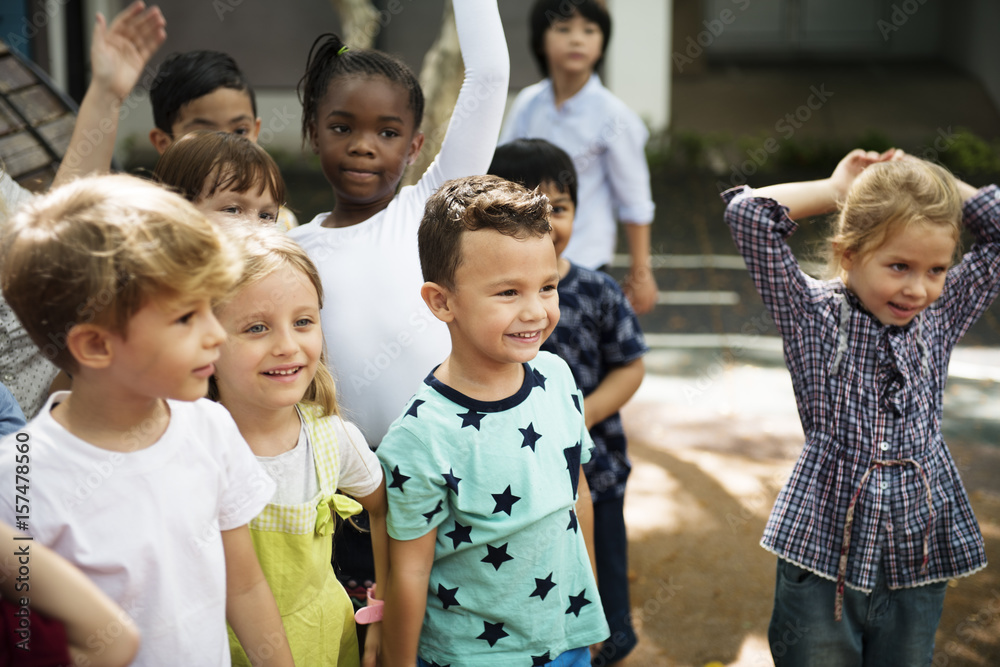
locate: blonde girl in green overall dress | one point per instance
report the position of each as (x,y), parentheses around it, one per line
(272,376)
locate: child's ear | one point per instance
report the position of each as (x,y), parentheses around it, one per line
(415,145)
(256,131)
(90,345)
(846,258)
(438,299)
(160,140)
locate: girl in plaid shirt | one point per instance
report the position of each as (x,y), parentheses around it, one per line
(273,379)
(874,519)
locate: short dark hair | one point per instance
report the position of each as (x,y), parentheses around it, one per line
(184,77)
(535,162)
(329,58)
(547,12)
(470,204)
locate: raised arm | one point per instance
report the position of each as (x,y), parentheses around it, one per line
(808,198)
(472,134)
(118,55)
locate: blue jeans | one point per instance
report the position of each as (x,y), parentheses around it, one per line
(577,657)
(883,628)
(611,556)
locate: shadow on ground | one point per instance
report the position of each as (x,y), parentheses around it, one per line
(705,477)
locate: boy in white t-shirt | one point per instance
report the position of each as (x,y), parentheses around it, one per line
(130,477)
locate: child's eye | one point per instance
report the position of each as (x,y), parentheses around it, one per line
(549,288)
(185,318)
(267,216)
(939,270)
(558,210)
(242,131)
(303,322)
(339,129)
(509,292)
(231,210)
(390,133)
(255,329)
(899,266)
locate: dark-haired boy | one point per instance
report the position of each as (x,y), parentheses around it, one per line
(201,90)
(484,518)
(599,336)
(572,109)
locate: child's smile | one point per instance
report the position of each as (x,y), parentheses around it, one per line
(905,274)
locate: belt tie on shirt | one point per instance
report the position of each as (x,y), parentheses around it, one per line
(838,605)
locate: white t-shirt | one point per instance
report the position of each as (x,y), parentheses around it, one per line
(23,369)
(145,525)
(294,471)
(381,338)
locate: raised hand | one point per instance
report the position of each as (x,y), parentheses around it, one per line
(119,52)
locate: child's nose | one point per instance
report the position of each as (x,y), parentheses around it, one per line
(361,144)
(284,342)
(215,334)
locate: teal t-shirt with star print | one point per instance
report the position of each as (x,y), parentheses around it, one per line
(511,582)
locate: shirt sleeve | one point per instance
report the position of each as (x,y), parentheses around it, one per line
(248,488)
(759,227)
(621,336)
(472,133)
(360,471)
(973,283)
(627,168)
(416,490)
(11,416)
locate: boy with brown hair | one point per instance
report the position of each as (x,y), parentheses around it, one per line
(135,479)
(485,461)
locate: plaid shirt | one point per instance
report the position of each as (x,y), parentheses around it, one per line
(598,332)
(871,410)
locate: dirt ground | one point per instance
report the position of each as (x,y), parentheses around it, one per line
(707,468)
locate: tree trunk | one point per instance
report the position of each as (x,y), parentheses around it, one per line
(441,78)
(359,22)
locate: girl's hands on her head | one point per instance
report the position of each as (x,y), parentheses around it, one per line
(854,163)
(119,52)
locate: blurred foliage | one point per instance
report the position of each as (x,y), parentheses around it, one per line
(961,150)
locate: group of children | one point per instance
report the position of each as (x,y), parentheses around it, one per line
(449,357)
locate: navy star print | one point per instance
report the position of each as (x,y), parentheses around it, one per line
(541,660)
(451,480)
(576,404)
(572,455)
(530,437)
(576,603)
(492,633)
(505,501)
(543,586)
(447,596)
(460,534)
(430,515)
(398,480)
(412,412)
(497,556)
(472,418)
(572,521)
(539,378)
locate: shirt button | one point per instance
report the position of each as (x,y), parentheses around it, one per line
(883,446)
(884,485)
